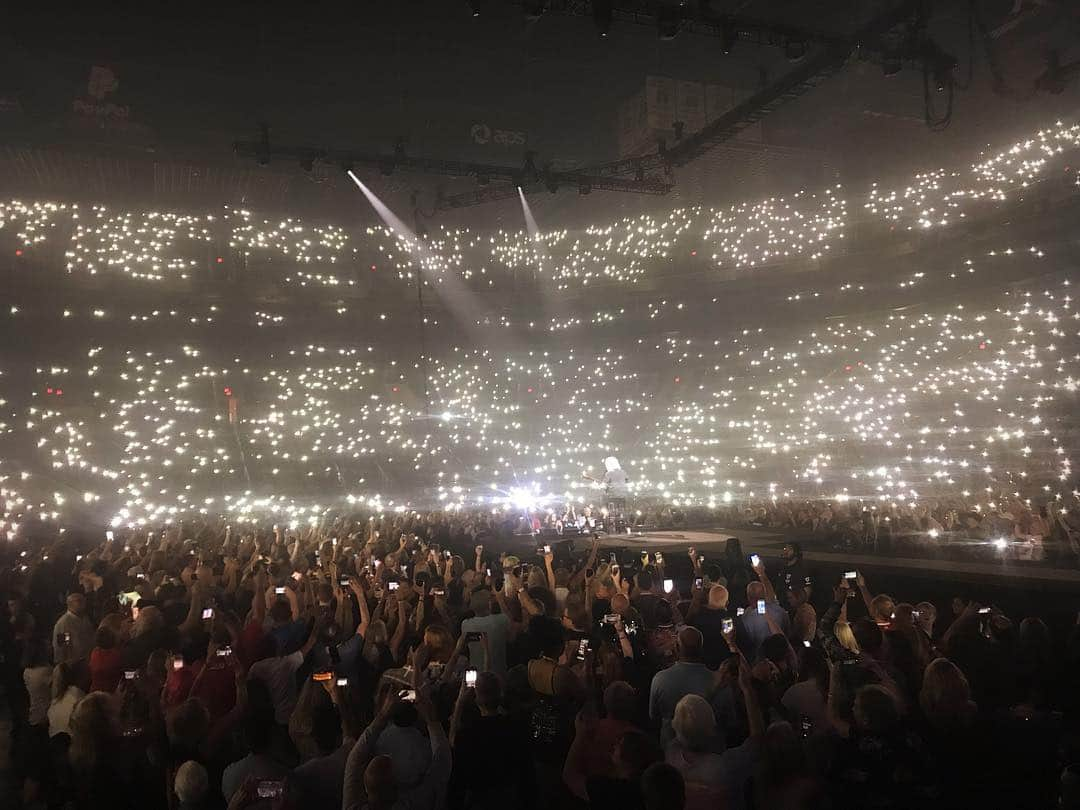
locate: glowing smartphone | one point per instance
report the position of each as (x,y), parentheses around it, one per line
(470,677)
(208,613)
(761,606)
(755,560)
(728,625)
(669,585)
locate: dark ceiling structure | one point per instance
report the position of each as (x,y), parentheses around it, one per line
(396,89)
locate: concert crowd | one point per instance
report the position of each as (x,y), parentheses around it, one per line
(403,662)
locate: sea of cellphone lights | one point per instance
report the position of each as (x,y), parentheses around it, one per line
(940,399)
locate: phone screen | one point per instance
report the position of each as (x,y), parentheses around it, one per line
(280,590)
(470,677)
(851,575)
(392,586)
(728,625)
(669,585)
(698,581)
(755,560)
(208,613)
(761,606)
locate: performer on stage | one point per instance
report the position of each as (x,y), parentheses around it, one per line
(616,487)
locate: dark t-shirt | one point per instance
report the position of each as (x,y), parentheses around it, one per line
(491,752)
(795,577)
(607,793)
(710,622)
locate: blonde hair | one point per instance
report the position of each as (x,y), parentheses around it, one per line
(694,722)
(91,728)
(842,631)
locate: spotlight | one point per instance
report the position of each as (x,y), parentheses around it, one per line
(795,50)
(603,11)
(474,7)
(346,166)
(668,22)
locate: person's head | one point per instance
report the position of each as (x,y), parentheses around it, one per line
(754,591)
(257,726)
(1035,636)
(150,620)
(379,782)
(927,616)
(105,638)
(733,551)
(187,724)
(91,730)
(325,726)
(791,553)
(547,633)
(280,612)
(718,597)
(663,788)
(903,615)
(694,723)
(945,697)
(876,712)
(480,602)
(867,635)
(843,633)
(634,752)
(690,642)
(76,603)
(620,603)
(782,754)
(777,649)
(620,701)
(191,783)
(663,615)
(645,580)
(813,665)
(440,642)
(882,608)
(575,614)
(62,677)
(489,693)
(545,597)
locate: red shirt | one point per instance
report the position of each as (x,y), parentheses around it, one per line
(217,690)
(106,669)
(251,643)
(178,684)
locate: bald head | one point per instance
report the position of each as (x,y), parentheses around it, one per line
(754,591)
(76,603)
(690,643)
(718,597)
